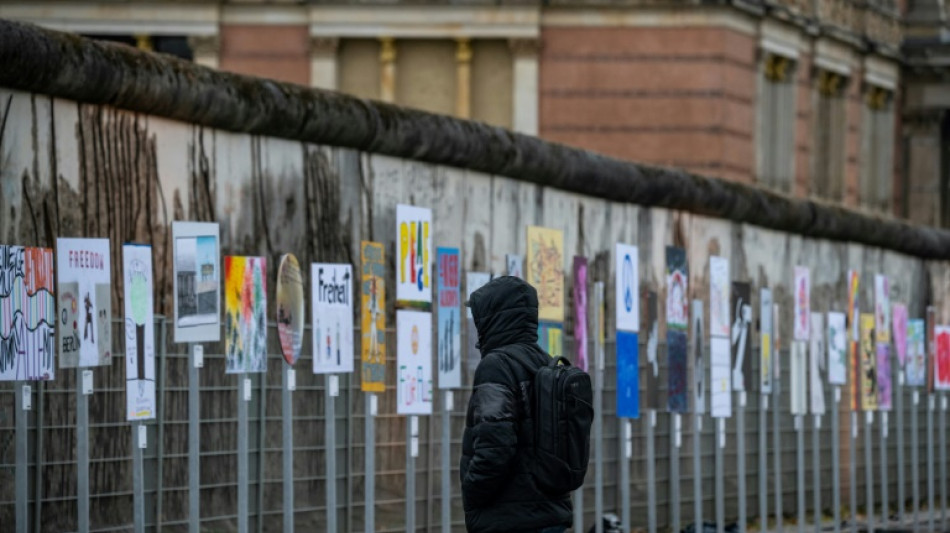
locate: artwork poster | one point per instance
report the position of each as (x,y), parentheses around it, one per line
(765,341)
(372,317)
(719,325)
(942,360)
(627,287)
(414,362)
(899,332)
(544,269)
(290,308)
(882,308)
(651,328)
(677,289)
(332,309)
(885,387)
(720,377)
(868,364)
(698,358)
(449,336)
(27,314)
(816,364)
(915,370)
(138,279)
(741,336)
(84,302)
(414,256)
(628,379)
(798,381)
(678,399)
(245,311)
(196,281)
(551,338)
(802,297)
(837,349)
(514,265)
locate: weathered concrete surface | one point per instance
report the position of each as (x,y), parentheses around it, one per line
(37,60)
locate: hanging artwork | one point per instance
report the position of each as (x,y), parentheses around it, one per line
(652,366)
(514,265)
(197,281)
(580,312)
(853,295)
(765,341)
(837,349)
(414,362)
(942,361)
(899,326)
(802,297)
(332,309)
(414,260)
(372,317)
(551,338)
(545,271)
(698,358)
(884,386)
(719,325)
(816,364)
(720,383)
(628,379)
(626,287)
(245,312)
(915,370)
(855,373)
(931,340)
(84,302)
(290,308)
(139,332)
(868,364)
(473,282)
(798,381)
(27,314)
(677,322)
(741,336)
(882,309)
(450,319)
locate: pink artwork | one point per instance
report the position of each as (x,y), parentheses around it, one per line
(802,303)
(899,316)
(942,361)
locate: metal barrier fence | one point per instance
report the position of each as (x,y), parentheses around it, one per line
(52,474)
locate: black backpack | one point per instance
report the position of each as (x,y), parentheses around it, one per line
(563,409)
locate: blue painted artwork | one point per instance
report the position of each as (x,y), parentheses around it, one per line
(628,376)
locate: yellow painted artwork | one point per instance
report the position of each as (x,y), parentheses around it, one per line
(868,357)
(373,317)
(545,271)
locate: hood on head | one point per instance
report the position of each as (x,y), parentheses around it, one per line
(505,312)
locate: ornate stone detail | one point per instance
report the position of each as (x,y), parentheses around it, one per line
(204,45)
(322,45)
(882,27)
(524,47)
(840,13)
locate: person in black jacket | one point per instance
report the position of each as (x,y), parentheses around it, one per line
(498,491)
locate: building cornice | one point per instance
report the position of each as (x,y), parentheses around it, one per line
(158,18)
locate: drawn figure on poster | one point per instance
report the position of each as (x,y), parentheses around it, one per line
(27,314)
(916,369)
(414,255)
(719,325)
(882,308)
(449,318)
(837,349)
(245,306)
(817,364)
(514,266)
(85,302)
(869,384)
(545,270)
(802,303)
(372,318)
(677,287)
(899,316)
(742,348)
(580,311)
(139,332)
(942,363)
(332,307)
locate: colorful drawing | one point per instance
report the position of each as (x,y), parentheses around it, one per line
(942,360)
(245,311)
(853,296)
(816,364)
(414,360)
(628,379)
(27,314)
(677,288)
(855,372)
(915,370)
(884,386)
(373,317)
(765,341)
(868,366)
(740,336)
(197,281)
(802,303)
(651,328)
(332,309)
(899,316)
(720,377)
(931,348)
(545,269)
(84,302)
(626,287)
(139,332)
(551,338)
(798,379)
(290,308)
(473,282)
(449,319)
(514,265)
(414,266)
(837,349)
(699,359)
(719,325)
(580,312)
(882,308)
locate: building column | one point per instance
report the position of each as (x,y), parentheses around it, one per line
(387,69)
(525,85)
(323,62)
(206,49)
(463,78)
(925,192)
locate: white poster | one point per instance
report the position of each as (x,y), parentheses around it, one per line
(720,384)
(798,384)
(84,302)
(197,281)
(816,364)
(138,280)
(802,296)
(719,325)
(413,255)
(27,314)
(627,288)
(332,301)
(837,349)
(514,265)
(413,362)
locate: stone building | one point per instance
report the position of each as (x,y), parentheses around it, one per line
(798,95)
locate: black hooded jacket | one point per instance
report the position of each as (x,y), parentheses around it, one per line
(498,492)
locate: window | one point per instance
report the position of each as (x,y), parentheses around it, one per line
(775,143)
(877,149)
(828,156)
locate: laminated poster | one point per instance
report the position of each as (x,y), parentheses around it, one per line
(916,368)
(837,349)
(719,325)
(882,309)
(741,336)
(816,364)
(414,362)
(545,271)
(514,265)
(138,280)
(627,287)
(765,341)
(332,309)
(372,317)
(720,385)
(651,329)
(197,281)
(449,354)
(698,358)
(628,379)
(802,299)
(84,302)
(868,357)
(414,259)
(27,314)
(899,326)
(290,308)
(245,314)
(798,384)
